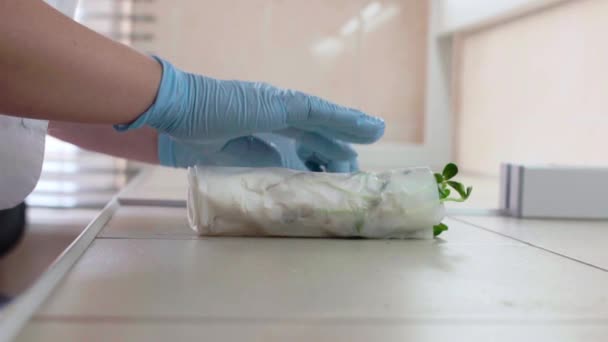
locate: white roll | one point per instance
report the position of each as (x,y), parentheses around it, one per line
(281,202)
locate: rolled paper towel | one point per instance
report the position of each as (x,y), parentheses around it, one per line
(401,203)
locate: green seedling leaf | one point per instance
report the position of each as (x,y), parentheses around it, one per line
(459,188)
(459,200)
(449,171)
(438,229)
(444,193)
(443,184)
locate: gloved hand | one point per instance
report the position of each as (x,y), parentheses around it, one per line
(291,149)
(202,110)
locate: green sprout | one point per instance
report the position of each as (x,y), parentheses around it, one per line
(444,183)
(440,228)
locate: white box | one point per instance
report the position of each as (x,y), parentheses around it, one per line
(550,191)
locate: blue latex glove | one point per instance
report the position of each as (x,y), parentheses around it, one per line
(289,149)
(202,110)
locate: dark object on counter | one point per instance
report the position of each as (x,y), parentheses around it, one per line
(4,300)
(12,227)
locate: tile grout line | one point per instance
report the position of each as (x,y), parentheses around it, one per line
(19,312)
(129,319)
(170,238)
(530,244)
(209,238)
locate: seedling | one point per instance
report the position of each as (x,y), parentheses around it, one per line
(446,186)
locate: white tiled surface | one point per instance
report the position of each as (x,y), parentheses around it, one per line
(149,222)
(586,241)
(148,277)
(48,233)
(471,283)
(264,332)
(459,233)
(240,278)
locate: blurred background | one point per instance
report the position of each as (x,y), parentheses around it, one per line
(477,82)
(471,81)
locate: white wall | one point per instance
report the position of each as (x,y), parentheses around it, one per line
(377,64)
(459,15)
(535,90)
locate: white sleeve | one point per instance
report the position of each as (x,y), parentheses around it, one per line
(22,144)
(21,154)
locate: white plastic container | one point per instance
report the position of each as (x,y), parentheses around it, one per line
(281,202)
(554,191)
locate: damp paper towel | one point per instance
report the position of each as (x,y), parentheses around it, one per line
(402,203)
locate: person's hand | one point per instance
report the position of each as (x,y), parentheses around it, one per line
(289,149)
(202,110)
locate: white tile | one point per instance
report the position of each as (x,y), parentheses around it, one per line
(149,222)
(278,331)
(157,185)
(459,233)
(241,278)
(48,233)
(582,240)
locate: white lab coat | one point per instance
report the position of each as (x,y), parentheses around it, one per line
(22,144)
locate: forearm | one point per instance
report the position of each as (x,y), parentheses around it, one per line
(140,145)
(56,69)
